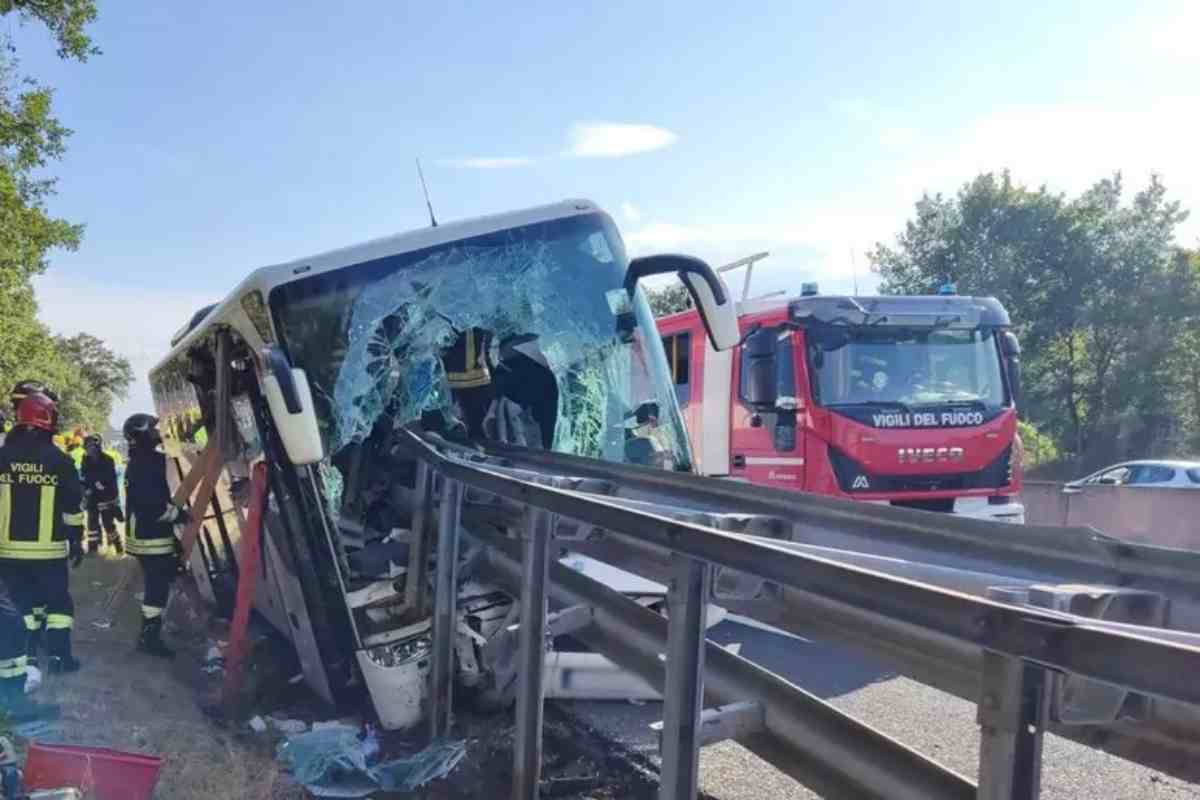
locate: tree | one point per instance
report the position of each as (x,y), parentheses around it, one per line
(106,376)
(1082,278)
(66,19)
(30,138)
(669,299)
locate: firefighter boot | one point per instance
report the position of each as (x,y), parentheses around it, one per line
(58,644)
(150,641)
(16,707)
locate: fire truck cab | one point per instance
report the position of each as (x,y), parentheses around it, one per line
(908,400)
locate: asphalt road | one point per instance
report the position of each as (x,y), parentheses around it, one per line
(937,724)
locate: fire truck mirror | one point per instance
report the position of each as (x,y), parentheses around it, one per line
(759,380)
(1012,358)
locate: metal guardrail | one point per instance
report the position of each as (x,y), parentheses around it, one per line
(1023,648)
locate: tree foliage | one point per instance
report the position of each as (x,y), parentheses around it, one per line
(66,19)
(669,299)
(1104,301)
(87,376)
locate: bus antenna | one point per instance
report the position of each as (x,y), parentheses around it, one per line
(425,189)
(854,263)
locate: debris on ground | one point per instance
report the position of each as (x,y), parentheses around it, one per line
(214,661)
(33,679)
(291,727)
(340,761)
(257,724)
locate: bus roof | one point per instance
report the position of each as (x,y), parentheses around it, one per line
(229,312)
(914,310)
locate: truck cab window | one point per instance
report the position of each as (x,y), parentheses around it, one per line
(679,349)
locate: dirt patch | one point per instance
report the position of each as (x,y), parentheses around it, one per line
(128,701)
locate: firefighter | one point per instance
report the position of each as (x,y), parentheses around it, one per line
(469,374)
(150,534)
(100,495)
(19,392)
(42,525)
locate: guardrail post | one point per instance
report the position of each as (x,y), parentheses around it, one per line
(415,594)
(683,695)
(531,659)
(445,611)
(1013,712)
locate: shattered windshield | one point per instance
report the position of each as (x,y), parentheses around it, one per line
(908,367)
(523,336)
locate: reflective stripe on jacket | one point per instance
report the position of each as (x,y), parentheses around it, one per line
(40,499)
(151,527)
(466,360)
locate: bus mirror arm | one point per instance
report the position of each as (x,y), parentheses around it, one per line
(281,370)
(711,297)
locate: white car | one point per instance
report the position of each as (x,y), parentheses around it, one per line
(1159,474)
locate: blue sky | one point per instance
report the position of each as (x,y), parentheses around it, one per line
(215,138)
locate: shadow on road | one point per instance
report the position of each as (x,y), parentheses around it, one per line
(819,668)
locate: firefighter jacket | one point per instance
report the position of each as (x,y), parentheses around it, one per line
(466,361)
(151,527)
(40,498)
(100,477)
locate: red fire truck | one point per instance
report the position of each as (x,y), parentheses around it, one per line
(908,400)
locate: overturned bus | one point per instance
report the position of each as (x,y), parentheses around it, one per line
(525,327)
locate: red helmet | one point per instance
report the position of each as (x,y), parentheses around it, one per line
(38,411)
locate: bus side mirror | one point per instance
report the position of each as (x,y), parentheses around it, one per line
(1012,358)
(289,398)
(717,310)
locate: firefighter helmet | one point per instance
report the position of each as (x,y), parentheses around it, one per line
(141,429)
(26,388)
(37,410)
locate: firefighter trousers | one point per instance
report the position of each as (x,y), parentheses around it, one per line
(106,513)
(34,582)
(158,572)
(13,660)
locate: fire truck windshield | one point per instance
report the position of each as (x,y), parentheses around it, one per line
(906,367)
(523,336)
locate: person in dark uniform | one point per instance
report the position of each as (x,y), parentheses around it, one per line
(469,374)
(101,494)
(41,524)
(19,392)
(150,534)
(524,376)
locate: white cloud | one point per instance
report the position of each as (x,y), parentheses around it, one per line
(631,213)
(136,322)
(615,139)
(1174,36)
(487,162)
(830,248)
(1070,147)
